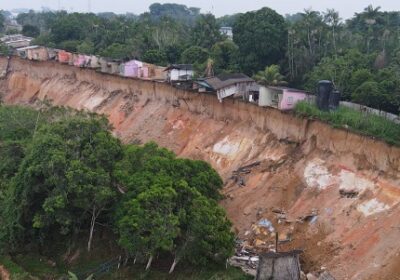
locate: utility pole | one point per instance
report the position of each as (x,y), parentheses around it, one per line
(89,6)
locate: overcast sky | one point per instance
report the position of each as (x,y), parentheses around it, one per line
(347,8)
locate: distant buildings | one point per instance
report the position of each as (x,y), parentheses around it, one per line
(12,25)
(227,31)
(16,41)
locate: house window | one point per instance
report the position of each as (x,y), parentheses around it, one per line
(290,100)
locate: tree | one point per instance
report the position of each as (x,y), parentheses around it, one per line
(369,94)
(270,76)
(69,45)
(225,56)
(339,70)
(147,224)
(144,172)
(2,20)
(86,47)
(261,38)
(358,77)
(197,56)
(332,18)
(46,40)
(30,30)
(210,237)
(116,51)
(194,55)
(67,27)
(62,186)
(155,56)
(180,12)
(144,166)
(205,235)
(206,31)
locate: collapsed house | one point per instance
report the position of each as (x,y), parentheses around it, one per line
(279,266)
(225,85)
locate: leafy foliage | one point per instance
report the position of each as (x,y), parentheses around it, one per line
(261,37)
(225,56)
(30,30)
(271,76)
(206,31)
(156,57)
(62,172)
(170,206)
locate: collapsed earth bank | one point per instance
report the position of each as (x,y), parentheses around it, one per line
(333,193)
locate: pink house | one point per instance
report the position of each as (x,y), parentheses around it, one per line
(281,97)
(131,68)
(290,97)
(79,60)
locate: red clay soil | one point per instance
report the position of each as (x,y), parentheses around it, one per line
(337,193)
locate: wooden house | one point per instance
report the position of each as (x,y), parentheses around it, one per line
(225,85)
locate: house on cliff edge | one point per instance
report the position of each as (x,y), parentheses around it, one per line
(179,72)
(225,85)
(282,98)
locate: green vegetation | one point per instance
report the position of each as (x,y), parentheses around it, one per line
(65,177)
(14,269)
(271,76)
(367,124)
(261,37)
(211,272)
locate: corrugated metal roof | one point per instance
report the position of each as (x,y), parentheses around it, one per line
(180,67)
(225,80)
(28,48)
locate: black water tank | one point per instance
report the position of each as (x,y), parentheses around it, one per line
(324,90)
(334,100)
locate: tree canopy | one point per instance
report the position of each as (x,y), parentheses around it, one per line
(63,173)
(261,37)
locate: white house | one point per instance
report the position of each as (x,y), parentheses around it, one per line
(227,31)
(179,72)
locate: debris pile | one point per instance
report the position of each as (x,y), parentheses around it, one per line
(237,175)
(274,227)
(245,258)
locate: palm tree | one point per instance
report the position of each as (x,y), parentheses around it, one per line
(370,17)
(311,20)
(332,18)
(271,76)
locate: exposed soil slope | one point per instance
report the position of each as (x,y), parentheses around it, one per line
(345,186)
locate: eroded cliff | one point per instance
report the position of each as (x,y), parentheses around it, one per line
(346,187)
